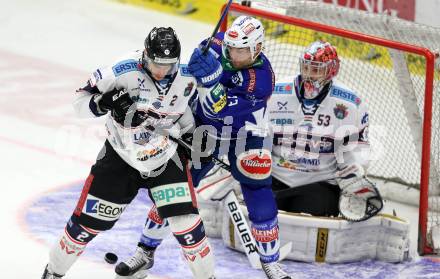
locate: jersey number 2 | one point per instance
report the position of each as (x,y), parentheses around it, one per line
(173,100)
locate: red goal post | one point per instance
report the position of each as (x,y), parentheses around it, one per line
(282,26)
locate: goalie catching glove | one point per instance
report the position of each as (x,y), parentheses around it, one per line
(359,199)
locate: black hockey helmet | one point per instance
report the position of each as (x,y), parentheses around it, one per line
(162,47)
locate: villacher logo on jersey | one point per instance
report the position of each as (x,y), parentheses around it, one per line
(255,164)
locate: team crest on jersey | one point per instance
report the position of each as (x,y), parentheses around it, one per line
(340,111)
(188,89)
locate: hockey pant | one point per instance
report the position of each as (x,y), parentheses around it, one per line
(110,187)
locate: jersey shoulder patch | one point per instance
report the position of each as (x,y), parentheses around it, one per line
(283,88)
(125,66)
(345,94)
(184,71)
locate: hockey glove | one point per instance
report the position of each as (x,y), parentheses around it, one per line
(359,200)
(205,68)
(116,101)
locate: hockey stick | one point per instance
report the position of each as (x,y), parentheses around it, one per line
(217,27)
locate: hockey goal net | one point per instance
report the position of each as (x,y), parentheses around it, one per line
(389,63)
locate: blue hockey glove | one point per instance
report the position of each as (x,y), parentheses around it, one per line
(205,68)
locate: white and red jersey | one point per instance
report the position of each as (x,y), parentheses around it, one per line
(314,139)
(164,102)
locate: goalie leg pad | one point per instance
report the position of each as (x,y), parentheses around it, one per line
(71,245)
(190,233)
(155,229)
(334,240)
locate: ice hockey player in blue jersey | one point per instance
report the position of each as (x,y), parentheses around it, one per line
(235,81)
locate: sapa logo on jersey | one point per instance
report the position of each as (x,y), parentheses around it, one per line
(103,210)
(171,194)
(282,121)
(255,163)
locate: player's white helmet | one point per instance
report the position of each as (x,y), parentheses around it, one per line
(319,64)
(245,32)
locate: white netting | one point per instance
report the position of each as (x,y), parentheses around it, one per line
(391,82)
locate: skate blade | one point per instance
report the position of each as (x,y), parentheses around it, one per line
(141,274)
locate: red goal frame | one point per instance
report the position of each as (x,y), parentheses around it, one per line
(423,248)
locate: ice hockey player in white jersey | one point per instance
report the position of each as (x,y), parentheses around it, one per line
(321,141)
(145,98)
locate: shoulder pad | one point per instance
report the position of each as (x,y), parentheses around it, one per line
(345,94)
(125,66)
(283,88)
(184,70)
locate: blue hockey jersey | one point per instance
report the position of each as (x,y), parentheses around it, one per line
(246,94)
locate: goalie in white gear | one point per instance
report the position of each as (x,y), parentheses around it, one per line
(145,97)
(320,151)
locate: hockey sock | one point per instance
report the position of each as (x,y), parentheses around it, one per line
(71,245)
(155,230)
(190,233)
(267,240)
(264,223)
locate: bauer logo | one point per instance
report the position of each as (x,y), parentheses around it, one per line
(171,194)
(103,210)
(255,164)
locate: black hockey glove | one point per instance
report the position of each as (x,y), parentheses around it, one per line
(117,101)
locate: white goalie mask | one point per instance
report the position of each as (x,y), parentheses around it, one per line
(245,32)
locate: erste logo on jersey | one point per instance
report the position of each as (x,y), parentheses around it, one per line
(283,88)
(255,163)
(345,95)
(125,67)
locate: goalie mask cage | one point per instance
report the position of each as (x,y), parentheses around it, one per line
(385,60)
